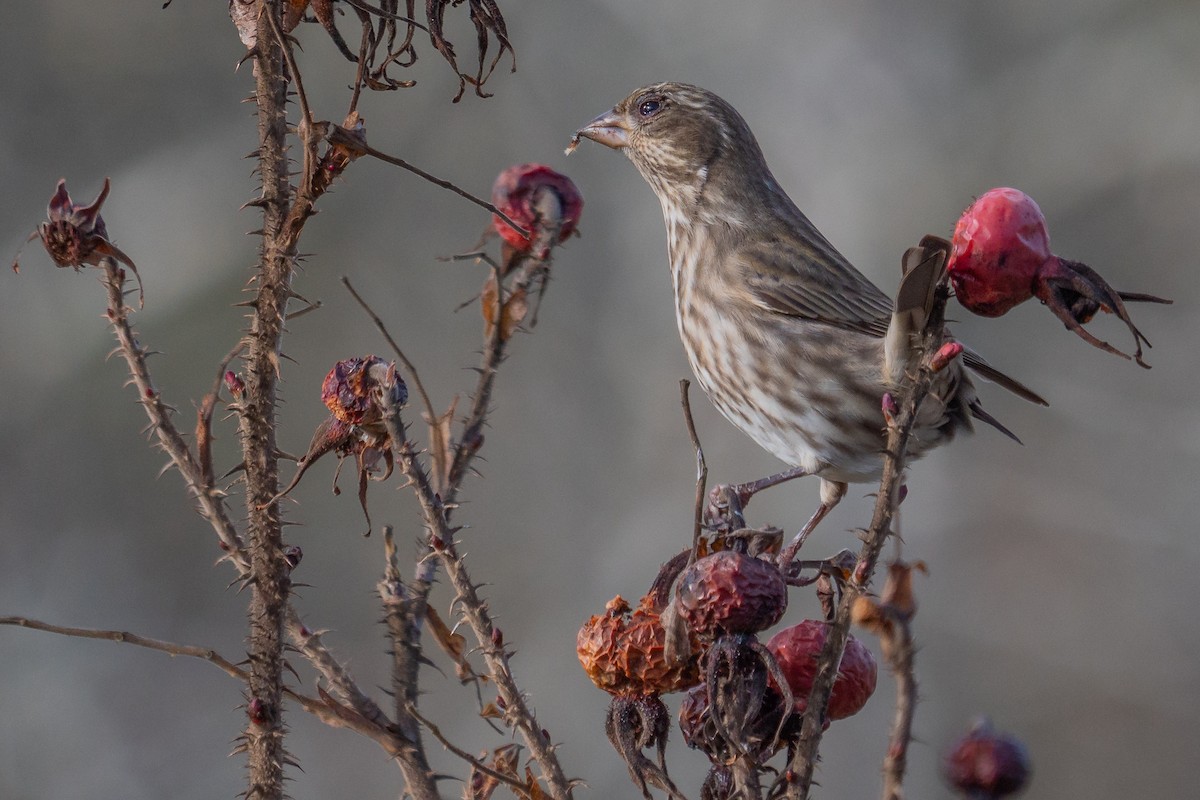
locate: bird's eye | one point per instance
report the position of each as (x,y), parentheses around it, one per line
(649,108)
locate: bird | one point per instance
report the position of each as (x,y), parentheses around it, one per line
(789,341)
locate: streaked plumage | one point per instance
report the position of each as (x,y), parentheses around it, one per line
(787,339)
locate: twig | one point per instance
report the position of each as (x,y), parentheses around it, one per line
(338,718)
(400,162)
(212,504)
(529,267)
(796,780)
(125,637)
(413,375)
(465,756)
(701,468)
(269,571)
(208,497)
(404,611)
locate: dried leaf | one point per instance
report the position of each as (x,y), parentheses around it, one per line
(441,450)
(516,306)
(534,788)
(453,645)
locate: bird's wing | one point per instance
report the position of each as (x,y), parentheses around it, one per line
(809,279)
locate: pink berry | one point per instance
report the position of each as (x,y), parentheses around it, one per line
(1000,244)
(515,193)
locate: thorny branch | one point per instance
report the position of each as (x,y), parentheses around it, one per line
(324,708)
(474,609)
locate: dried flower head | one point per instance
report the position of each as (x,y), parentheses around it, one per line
(75,236)
(357,392)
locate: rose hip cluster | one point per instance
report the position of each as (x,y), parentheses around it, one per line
(744,698)
(1000,257)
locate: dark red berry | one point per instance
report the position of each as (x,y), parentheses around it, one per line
(796,649)
(730,592)
(985,763)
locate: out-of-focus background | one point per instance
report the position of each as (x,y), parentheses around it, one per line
(1062,589)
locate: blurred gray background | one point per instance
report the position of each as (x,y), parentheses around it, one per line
(1062,590)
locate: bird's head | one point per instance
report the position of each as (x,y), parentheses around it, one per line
(678,136)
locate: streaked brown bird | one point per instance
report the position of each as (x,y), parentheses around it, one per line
(789,341)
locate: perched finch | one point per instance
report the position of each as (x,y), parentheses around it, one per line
(790,342)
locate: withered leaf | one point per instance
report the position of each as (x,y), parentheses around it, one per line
(516,306)
(440,447)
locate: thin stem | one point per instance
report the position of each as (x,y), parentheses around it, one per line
(411,370)
(900,653)
(475,611)
(170,440)
(404,611)
(400,162)
(329,713)
(701,468)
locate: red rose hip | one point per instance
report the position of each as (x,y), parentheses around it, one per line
(796,649)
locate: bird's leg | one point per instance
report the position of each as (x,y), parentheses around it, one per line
(726,500)
(832,493)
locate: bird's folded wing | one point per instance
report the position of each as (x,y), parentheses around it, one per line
(811,280)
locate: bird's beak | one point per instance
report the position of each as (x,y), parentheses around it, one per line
(608,129)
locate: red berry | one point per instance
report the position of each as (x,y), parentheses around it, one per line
(1000,244)
(1000,257)
(984,763)
(515,193)
(797,649)
(730,592)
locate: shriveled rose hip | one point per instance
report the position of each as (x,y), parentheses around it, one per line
(624,653)
(797,649)
(730,592)
(515,192)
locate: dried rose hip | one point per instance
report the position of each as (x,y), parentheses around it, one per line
(796,649)
(1000,257)
(986,764)
(624,654)
(347,389)
(731,592)
(516,193)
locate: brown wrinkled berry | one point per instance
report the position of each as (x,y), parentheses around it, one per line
(623,653)
(348,389)
(730,592)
